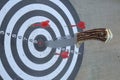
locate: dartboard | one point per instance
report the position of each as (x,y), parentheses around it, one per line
(22,57)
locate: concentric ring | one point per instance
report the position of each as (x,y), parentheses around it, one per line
(20,57)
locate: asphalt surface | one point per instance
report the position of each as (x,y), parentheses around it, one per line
(101,61)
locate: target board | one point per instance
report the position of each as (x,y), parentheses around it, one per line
(21,56)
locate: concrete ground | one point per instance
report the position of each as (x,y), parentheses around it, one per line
(101,61)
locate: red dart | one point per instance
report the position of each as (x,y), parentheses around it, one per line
(64,54)
(43,24)
(80,25)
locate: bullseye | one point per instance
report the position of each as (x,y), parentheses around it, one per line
(40,46)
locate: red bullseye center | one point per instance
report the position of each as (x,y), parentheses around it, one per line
(40,43)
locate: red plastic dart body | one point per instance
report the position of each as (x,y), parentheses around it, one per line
(43,24)
(80,25)
(64,54)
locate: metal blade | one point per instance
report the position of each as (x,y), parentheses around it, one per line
(62,42)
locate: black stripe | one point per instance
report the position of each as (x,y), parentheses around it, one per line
(2,3)
(1,78)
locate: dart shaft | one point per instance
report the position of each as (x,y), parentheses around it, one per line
(101,34)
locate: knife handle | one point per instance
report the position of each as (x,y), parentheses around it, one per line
(101,34)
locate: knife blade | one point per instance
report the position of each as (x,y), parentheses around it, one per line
(62,42)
